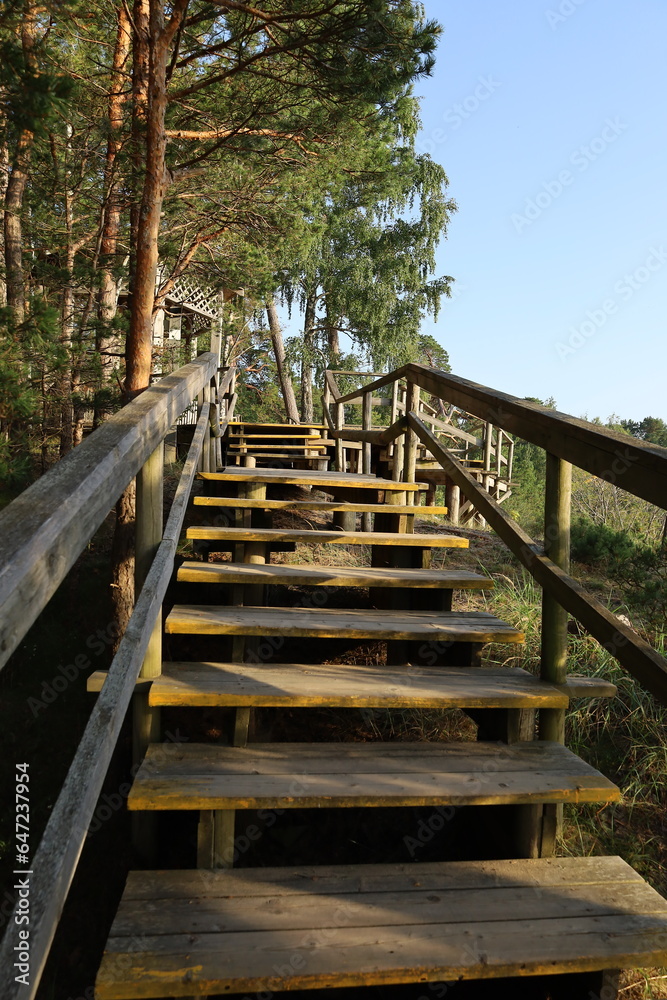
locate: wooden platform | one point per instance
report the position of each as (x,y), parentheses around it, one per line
(350,686)
(296,477)
(331,576)
(351,623)
(342,775)
(329,537)
(235,503)
(181,933)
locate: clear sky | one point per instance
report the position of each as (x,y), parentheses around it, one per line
(550,117)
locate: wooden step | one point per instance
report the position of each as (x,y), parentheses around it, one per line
(302,477)
(235,425)
(351,623)
(241,435)
(344,685)
(278,456)
(260,931)
(310,536)
(323,505)
(331,576)
(343,775)
(275,447)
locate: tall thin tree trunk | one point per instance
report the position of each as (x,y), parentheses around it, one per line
(307,359)
(16,185)
(4,178)
(286,387)
(333,339)
(122,554)
(66,386)
(152,41)
(107,342)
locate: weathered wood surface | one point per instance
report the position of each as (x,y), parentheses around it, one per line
(555,637)
(328,537)
(56,858)
(346,775)
(323,505)
(350,685)
(378,925)
(238,424)
(436,626)
(640,659)
(235,435)
(587,687)
(46,528)
(311,477)
(331,576)
(271,448)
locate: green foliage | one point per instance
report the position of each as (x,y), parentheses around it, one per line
(600,545)
(29,353)
(651,429)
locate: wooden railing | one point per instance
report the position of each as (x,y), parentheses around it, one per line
(488,451)
(633,465)
(41,535)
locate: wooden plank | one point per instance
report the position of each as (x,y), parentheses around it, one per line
(242,436)
(341,957)
(324,505)
(45,529)
(640,659)
(333,880)
(321,623)
(311,477)
(349,685)
(311,536)
(411,907)
(244,424)
(587,687)
(57,856)
(341,775)
(331,576)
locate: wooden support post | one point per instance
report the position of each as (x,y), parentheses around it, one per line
(339,420)
(557,504)
(146,721)
(410,457)
(367,425)
(215,838)
(453,501)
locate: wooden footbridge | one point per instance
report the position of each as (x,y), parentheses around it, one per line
(496,903)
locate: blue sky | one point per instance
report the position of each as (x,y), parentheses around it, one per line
(549,117)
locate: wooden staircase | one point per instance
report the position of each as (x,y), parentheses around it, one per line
(560,925)
(300,445)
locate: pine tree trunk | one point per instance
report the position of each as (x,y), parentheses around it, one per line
(286,387)
(307,359)
(4,178)
(106,341)
(16,185)
(152,43)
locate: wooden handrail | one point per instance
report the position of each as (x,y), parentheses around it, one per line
(56,859)
(46,528)
(636,655)
(636,466)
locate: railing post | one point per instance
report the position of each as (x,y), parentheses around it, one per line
(366,424)
(146,720)
(339,420)
(412,398)
(557,503)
